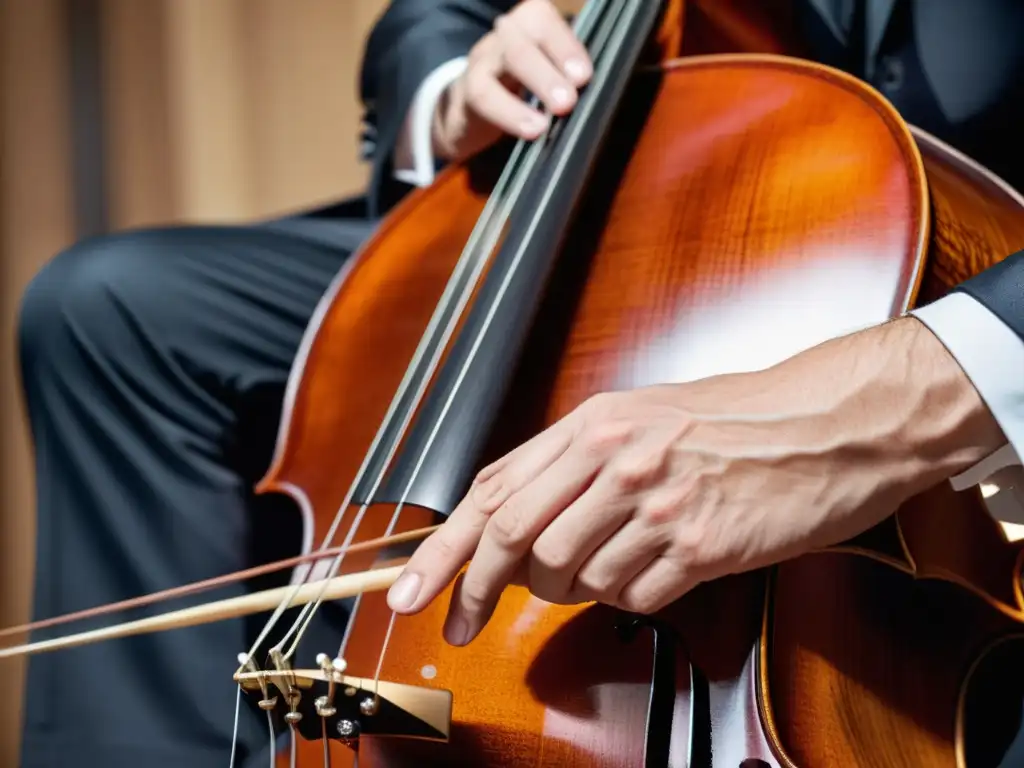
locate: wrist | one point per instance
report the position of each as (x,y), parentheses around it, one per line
(448,122)
(940,426)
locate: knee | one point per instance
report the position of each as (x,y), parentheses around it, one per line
(72,304)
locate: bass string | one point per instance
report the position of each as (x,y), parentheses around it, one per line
(609,39)
(320,555)
(335,564)
(518,179)
(485,226)
(317,556)
(587,26)
(491,233)
(299,626)
(486,248)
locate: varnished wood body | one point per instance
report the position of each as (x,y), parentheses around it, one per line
(888,662)
(746,208)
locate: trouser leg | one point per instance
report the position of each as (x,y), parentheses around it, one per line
(154,365)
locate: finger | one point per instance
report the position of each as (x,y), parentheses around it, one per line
(552,33)
(619,560)
(508,536)
(662,582)
(523,59)
(489,99)
(651,532)
(627,482)
(572,538)
(494,484)
(438,559)
(435,563)
(512,471)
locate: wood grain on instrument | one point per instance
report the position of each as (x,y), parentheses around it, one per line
(745,208)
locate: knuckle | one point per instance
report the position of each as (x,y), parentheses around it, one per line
(553,557)
(488,472)
(483,48)
(539,17)
(636,472)
(596,584)
(657,511)
(474,595)
(664,506)
(490,494)
(505,23)
(514,51)
(602,402)
(642,602)
(603,437)
(689,546)
(438,548)
(508,526)
(624,479)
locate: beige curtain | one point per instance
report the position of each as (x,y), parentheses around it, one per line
(210,110)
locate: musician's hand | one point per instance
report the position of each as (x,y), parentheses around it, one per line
(636,497)
(531,47)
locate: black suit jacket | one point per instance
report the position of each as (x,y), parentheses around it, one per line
(409,41)
(952,67)
(977,106)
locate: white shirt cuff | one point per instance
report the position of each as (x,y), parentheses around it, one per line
(414,153)
(992,356)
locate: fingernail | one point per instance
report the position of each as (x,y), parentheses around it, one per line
(403,592)
(457,631)
(534,125)
(577,70)
(560,96)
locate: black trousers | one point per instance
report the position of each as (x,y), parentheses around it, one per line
(154,364)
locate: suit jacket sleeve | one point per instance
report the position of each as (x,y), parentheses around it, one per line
(1001,290)
(410,40)
(981,323)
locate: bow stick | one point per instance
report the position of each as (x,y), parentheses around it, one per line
(347,585)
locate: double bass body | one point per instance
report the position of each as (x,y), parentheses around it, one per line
(741,209)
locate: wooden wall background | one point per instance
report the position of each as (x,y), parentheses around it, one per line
(123,113)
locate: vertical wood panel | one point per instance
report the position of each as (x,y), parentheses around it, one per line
(212,111)
(250,107)
(36,221)
(306,55)
(133,63)
(208,91)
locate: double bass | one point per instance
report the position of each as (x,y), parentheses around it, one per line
(712,205)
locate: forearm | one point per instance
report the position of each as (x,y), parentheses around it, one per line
(945,424)
(890,400)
